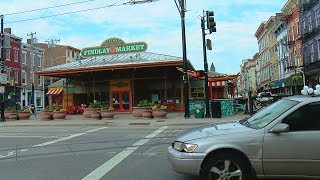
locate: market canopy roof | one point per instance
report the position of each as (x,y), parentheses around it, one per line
(113,62)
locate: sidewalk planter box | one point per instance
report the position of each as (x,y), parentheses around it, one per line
(95,113)
(24,115)
(106,113)
(59,115)
(87,112)
(137,111)
(13,116)
(46,115)
(160,113)
(147,114)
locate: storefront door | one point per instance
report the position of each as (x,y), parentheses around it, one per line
(121,101)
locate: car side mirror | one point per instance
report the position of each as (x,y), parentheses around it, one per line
(280,128)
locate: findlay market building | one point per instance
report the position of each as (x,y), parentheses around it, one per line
(120,75)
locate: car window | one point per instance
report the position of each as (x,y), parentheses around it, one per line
(303,118)
(265,116)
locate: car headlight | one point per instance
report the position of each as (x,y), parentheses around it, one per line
(184,147)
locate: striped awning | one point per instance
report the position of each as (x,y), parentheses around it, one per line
(217,83)
(54,91)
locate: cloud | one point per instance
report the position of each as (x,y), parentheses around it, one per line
(157,23)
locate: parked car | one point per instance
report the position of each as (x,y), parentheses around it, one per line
(264,98)
(279,141)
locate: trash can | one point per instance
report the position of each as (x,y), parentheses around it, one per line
(216,109)
(199,112)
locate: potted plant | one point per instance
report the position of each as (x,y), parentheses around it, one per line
(107,112)
(95,110)
(59,114)
(143,105)
(24,113)
(47,113)
(11,113)
(159,111)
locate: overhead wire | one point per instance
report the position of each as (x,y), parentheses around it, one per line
(50,7)
(72,12)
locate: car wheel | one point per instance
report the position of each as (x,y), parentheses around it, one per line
(227,167)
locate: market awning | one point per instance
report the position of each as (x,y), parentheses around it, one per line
(291,80)
(217,84)
(279,84)
(54,91)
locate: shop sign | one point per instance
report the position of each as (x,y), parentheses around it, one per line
(114,46)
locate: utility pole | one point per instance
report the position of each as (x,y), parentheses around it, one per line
(51,45)
(2,71)
(181,8)
(205,62)
(32,74)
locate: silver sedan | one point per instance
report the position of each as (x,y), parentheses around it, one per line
(279,141)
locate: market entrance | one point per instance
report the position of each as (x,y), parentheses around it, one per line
(121,101)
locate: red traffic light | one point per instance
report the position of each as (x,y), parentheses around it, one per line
(199,73)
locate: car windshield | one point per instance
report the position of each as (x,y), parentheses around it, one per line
(265,116)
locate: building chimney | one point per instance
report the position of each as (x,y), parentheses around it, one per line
(7,30)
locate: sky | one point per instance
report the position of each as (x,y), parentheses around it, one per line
(87,23)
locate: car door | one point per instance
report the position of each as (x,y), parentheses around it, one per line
(296,152)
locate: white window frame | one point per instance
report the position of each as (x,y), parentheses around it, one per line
(8,54)
(39,80)
(16,77)
(311,52)
(310,22)
(24,77)
(24,58)
(39,63)
(8,75)
(16,53)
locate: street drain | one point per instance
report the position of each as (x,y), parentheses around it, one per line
(139,123)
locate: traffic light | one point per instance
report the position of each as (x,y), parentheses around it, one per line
(199,73)
(211,25)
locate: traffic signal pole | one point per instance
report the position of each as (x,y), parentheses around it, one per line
(2,70)
(205,62)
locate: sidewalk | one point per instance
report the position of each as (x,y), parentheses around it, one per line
(172,119)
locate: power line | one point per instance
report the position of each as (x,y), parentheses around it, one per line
(72,12)
(51,7)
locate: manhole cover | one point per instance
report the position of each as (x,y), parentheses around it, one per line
(139,123)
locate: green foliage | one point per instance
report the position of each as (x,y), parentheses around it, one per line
(145,103)
(95,105)
(10,108)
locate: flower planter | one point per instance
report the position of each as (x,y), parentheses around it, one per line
(7,113)
(95,113)
(105,113)
(24,115)
(46,115)
(137,111)
(147,114)
(59,115)
(13,116)
(159,113)
(87,112)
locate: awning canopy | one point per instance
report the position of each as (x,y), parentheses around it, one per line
(217,84)
(279,84)
(54,91)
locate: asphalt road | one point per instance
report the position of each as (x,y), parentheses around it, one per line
(85,153)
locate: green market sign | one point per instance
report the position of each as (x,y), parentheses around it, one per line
(114,46)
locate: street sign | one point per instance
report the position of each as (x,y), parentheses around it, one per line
(3,78)
(1,89)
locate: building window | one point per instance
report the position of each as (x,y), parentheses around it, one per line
(304,25)
(16,52)
(39,102)
(39,80)
(312,53)
(72,54)
(310,23)
(39,61)
(8,75)
(24,58)
(23,77)
(68,53)
(318,42)
(318,17)
(16,80)
(8,54)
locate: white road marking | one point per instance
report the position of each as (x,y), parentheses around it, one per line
(52,142)
(67,138)
(107,166)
